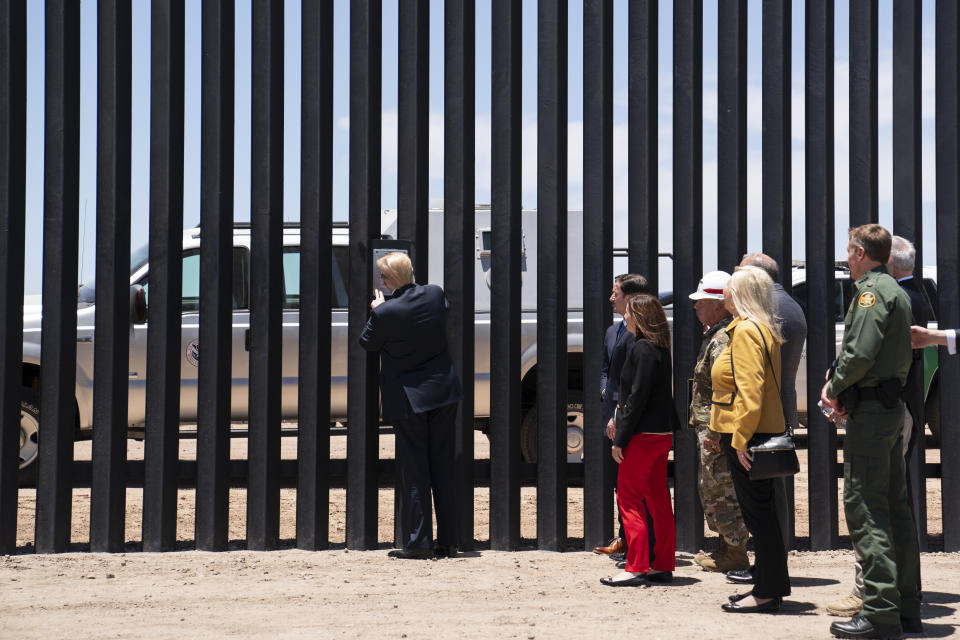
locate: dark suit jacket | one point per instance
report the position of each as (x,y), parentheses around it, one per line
(794,328)
(913,392)
(410,331)
(615,352)
(646,396)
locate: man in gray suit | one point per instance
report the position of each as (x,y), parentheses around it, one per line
(793,325)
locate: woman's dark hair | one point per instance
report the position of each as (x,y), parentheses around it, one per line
(647,312)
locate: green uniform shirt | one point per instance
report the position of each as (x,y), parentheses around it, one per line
(876,334)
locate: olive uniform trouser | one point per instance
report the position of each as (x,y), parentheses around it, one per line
(878,516)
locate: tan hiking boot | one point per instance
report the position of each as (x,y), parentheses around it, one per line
(847,607)
(711,557)
(732,557)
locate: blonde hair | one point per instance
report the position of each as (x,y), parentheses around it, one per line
(397,268)
(751,291)
(647,313)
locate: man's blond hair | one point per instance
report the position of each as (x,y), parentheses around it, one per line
(396,268)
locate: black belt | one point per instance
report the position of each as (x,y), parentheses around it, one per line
(868,393)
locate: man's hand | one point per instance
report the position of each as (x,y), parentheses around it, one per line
(377,299)
(838,409)
(922,337)
(611,429)
(617,454)
(745,459)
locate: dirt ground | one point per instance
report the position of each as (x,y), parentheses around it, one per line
(339,593)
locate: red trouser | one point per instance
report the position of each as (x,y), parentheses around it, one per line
(643,477)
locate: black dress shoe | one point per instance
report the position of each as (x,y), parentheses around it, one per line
(636,581)
(767,607)
(411,554)
(859,626)
(740,576)
(660,576)
(622,564)
(445,551)
(618,557)
(911,625)
(739,596)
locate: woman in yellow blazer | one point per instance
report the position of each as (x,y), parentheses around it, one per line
(746,401)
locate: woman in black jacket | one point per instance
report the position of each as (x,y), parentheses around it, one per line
(642,436)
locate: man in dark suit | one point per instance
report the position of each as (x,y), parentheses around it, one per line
(419,392)
(902,260)
(616,345)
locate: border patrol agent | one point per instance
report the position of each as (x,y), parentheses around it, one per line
(867,385)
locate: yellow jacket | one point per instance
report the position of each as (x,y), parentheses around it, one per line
(751,403)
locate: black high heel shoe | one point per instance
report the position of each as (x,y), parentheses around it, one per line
(767,607)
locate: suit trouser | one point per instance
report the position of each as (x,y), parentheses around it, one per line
(642,478)
(425,456)
(878,517)
(757,504)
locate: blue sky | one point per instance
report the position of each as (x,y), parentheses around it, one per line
(141,114)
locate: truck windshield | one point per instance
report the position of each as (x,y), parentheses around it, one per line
(87,293)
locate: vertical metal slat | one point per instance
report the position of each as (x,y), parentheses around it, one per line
(863,112)
(111,351)
(216,275)
(362,399)
(821,306)
(316,258)
(552,275)
(687,255)
(948,247)
(60,238)
(13,142)
(161,446)
(642,132)
(458,235)
(908,194)
(597,261)
(732,134)
(266,277)
(413,179)
(506,171)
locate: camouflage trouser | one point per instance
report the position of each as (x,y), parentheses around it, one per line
(717,495)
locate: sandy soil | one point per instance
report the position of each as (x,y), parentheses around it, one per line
(340,593)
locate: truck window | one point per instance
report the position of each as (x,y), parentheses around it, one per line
(190,299)
(291,278)
(841,294)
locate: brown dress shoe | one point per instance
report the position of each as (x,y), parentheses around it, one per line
(617,545)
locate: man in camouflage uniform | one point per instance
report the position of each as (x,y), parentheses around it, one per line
(866,385)
(717,494)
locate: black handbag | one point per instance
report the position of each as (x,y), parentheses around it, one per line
(774,455)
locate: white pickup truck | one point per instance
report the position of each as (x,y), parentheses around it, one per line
(31,420)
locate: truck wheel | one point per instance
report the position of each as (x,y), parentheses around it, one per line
(528,430)
(29,436)
(931,412)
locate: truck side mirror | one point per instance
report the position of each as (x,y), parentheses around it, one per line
(138,305)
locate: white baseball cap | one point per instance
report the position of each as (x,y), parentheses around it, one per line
(711,286)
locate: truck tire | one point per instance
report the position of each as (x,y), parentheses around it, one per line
(931,412)
(29,436)
(575,436)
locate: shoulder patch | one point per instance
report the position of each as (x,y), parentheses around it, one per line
(866,300)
